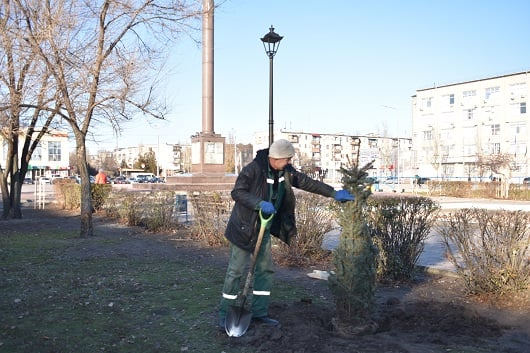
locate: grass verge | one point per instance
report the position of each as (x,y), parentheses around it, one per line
(60,293)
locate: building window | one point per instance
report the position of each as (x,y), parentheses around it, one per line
(54,151)
(449,99)
(495,148)
(518,90)
(518,129)
(495,129)
(470,150)
(470,93)
(491,91)
(427,135)
(36,156)
(426,102)
(522,108)
(518,149)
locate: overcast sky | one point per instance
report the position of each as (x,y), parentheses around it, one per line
(343,66)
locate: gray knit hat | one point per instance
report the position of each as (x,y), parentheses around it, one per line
(281,149)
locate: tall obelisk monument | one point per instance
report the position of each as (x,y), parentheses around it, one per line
(207,147)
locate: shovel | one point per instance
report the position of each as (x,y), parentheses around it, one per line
(238,318)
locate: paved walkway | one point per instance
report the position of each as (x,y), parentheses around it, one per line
(433,255)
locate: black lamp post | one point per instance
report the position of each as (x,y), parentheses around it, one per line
(271,42)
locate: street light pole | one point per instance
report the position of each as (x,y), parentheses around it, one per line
(271,42)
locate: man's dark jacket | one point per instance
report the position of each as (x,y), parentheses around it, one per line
(251,188)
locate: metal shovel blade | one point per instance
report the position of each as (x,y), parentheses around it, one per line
(237,321)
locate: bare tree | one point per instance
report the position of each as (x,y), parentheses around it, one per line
(501,164)
(482,165)
(104,57)
(437,152)
(24,90)
(386,151)
(306,162)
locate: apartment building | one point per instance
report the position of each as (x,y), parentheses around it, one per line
(327,153)
(51,157)
(172,159)
(457,126)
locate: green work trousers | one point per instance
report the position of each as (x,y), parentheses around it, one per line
(237,272)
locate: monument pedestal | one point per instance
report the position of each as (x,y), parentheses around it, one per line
(207,155)
(207,166)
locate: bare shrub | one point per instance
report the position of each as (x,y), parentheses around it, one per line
(60,187)
(112,204)
(399,227)
(68,194)
(100,193)
(72,196)
(313,220)
(211,211)
(131,208)
(490,249)
(160,214)
(154,210)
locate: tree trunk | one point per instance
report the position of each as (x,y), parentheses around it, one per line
(87,227)
(16,192)
(11,195)
(11,192)
(5,198)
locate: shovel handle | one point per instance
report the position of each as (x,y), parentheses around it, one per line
(264,223)
(265,220)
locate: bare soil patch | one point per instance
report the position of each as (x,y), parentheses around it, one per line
(433,314)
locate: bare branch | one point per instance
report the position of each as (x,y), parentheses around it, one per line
(103,58)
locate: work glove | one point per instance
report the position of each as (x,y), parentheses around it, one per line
(343,195)
(267,208)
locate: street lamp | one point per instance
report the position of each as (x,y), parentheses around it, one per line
(271,42)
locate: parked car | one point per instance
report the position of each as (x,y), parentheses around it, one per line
(75,178)
(526,180)
(28,181)
(121,180)
(144,177)
(141,179)
(391,180)
(45,180)
(154,179)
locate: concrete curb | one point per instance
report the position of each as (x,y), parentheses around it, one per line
(437,271)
